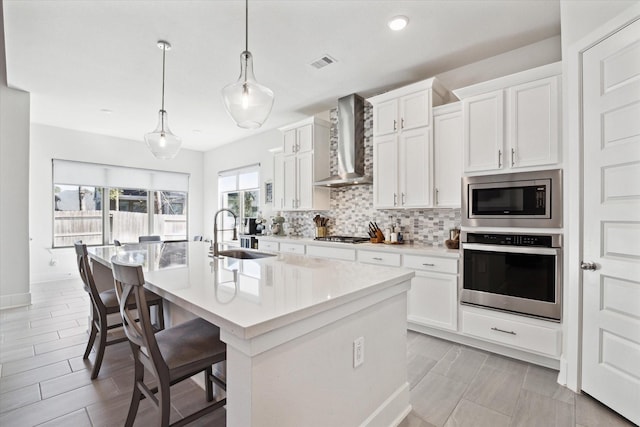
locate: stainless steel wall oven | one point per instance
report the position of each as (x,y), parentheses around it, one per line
(521,273)
(523,199)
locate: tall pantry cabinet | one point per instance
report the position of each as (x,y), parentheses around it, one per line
(403,145)
(303,161)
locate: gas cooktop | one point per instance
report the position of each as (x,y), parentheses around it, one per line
(343,239)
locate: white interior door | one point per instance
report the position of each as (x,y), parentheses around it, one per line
(611,291)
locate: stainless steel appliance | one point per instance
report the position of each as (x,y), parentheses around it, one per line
(523,199)
(350,149)
(343,239)
(521,273)
(249,226)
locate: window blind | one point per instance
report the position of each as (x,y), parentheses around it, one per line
(93,174)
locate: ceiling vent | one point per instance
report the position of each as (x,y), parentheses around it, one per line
(323,61)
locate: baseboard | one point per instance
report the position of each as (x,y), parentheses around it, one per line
(392,411)
(52,277)
(15,300)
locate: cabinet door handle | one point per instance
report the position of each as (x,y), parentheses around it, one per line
(395,199)
(377,258)
(395,125)
(426,264)
(499,158)
(503,331)
(513,155)
(437,191)
(402,123)
(403,199)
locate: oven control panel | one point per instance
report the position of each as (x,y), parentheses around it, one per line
(539,240)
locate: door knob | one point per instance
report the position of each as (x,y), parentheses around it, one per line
(592,266)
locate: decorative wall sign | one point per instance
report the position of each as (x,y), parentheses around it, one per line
(268,192)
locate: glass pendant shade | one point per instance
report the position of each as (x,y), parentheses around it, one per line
(248,102)
(163,144)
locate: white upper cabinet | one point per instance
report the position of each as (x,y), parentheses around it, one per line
(385,171)
(298,140)
(447,141)
(483,132)
(415,168)
(385,117)
(403,149)
(403,109)
(305,159)
(278,180)
(512,122)
(533,123)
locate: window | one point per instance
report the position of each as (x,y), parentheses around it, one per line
(77,215)
(134,204)
(239,191)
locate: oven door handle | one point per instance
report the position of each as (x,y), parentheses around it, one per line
(512,249)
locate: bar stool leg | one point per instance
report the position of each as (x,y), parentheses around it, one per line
(92,339)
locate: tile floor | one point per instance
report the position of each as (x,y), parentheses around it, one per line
(45,382)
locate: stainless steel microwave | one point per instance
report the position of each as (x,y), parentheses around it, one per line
(522,199)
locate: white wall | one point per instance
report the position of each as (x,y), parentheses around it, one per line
(14,199)
(248,151)
(14,188)
(534,55)
(48,143)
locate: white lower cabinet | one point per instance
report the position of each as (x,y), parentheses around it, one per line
(379,258)
(266,245)
(433,300)
(346,254)
(516,331)
(292,248)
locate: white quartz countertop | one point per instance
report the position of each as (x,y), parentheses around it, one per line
(412,249)
(251,297)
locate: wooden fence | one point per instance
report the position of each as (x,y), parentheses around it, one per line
(71,226)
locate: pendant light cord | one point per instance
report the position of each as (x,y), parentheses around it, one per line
(246,25)
(164,51)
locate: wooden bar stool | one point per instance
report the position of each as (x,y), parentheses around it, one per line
(103,304)
(172,355)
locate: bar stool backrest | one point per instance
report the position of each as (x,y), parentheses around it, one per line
(89,284)
(129,280)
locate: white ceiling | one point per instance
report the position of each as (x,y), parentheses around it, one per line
(79,57)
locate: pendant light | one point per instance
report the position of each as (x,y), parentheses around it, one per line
(163,144)
(247,101)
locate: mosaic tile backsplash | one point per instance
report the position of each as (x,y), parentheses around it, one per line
(351,208)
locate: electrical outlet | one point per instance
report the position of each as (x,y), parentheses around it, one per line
(358,352)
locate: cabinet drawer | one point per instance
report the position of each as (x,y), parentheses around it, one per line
(268,246)
(292,248)
(429,263)
(330,252)
(527,336)
(380,258)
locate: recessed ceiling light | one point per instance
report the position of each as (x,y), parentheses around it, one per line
(106,111)
(397,23)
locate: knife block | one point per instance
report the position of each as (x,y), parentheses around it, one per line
(379,237)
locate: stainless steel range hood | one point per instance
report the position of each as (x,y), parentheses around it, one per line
(350,144)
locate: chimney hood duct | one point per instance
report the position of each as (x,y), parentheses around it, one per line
(350,144)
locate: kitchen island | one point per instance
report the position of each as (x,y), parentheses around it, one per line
(290,323)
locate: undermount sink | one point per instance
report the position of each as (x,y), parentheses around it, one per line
(244,254)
